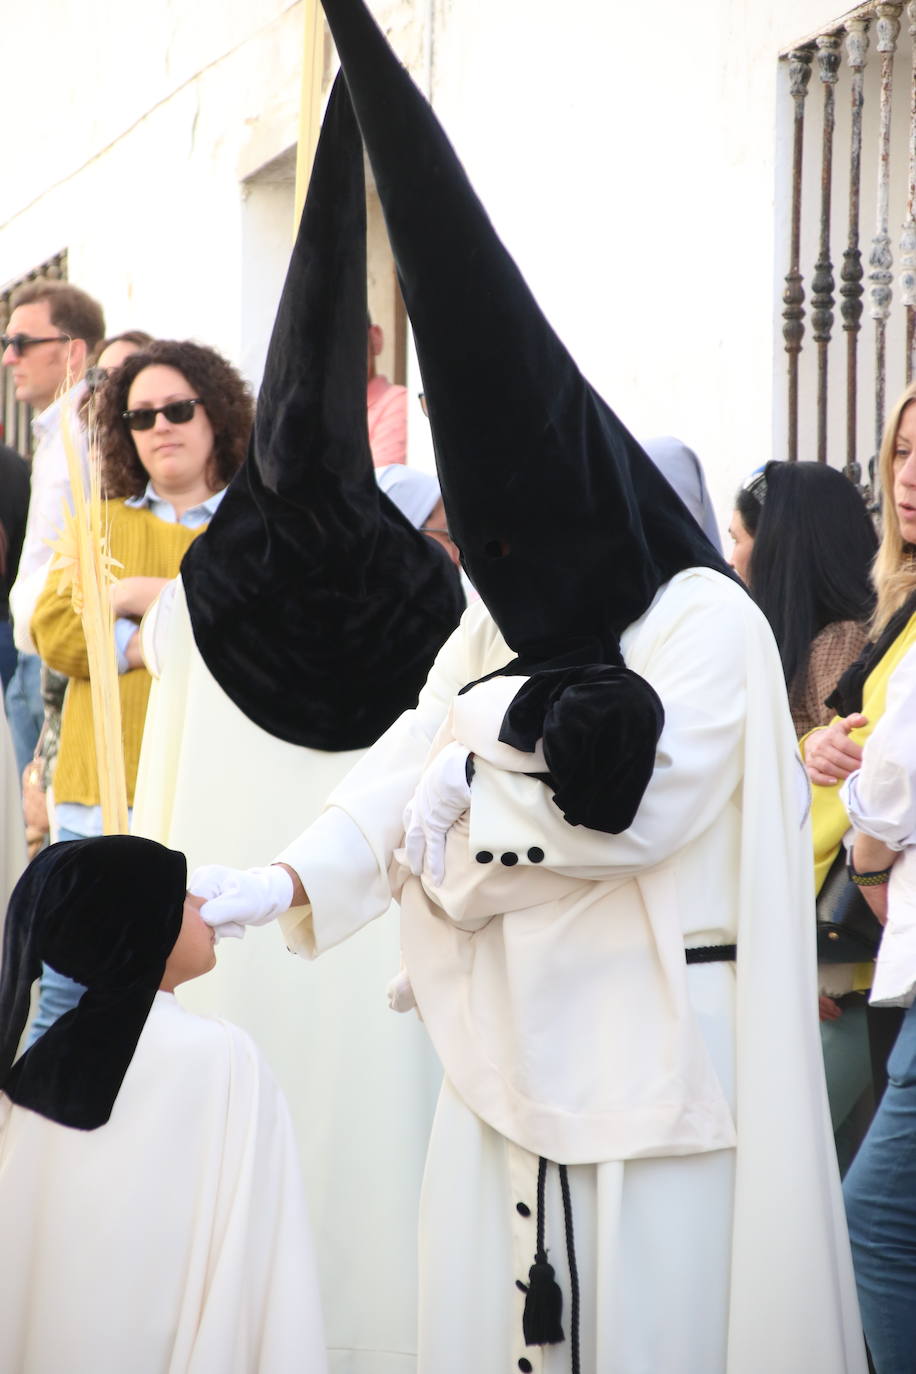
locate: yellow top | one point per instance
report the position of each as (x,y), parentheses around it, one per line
(829,821)
(146,547)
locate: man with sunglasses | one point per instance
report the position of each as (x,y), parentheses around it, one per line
(52,330)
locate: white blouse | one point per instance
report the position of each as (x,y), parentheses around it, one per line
(881,800)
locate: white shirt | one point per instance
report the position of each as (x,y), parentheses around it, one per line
(881,800)
(50,488)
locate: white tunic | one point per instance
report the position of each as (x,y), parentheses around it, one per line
(568,1024)
(172,1240)
(361,1083)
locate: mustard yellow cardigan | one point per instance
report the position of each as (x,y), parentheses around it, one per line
(146,547)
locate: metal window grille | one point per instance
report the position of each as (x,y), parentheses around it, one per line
(15,416)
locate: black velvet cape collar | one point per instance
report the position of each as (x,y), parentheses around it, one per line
(107,913)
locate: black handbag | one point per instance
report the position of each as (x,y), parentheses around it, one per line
(848,931)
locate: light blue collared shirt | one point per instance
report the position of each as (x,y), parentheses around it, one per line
(193,517)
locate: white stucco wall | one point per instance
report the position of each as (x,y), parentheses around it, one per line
(635,161)
(633,158)
(140,122)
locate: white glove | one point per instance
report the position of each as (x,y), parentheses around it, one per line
(400,993)
(239,897)
(443,794)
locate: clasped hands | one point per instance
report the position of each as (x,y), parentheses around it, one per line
(235,898)
(830,755)
(131,597)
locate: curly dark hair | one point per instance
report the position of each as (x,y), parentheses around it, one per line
(227,400)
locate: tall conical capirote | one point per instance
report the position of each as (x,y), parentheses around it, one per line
(565,527)
(316,606)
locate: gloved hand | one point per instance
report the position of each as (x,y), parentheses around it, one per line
(443,794)
(400,993)
(237,897)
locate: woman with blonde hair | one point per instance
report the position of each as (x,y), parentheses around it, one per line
(834,751)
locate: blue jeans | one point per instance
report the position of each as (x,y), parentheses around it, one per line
(847,1065)
(880,1193)
(24,709)
(9,658)
(58,993)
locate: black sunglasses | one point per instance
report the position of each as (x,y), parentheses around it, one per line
(176,412)
(20,342)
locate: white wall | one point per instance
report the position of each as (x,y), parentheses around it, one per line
(139,124)
(633,158)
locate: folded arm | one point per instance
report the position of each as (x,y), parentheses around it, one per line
(57,630)
(698,670)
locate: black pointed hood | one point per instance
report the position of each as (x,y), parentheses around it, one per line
(314,603)
(565,526)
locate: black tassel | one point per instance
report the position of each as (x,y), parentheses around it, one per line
(543,1305)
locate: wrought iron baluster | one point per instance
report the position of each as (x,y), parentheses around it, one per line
(851,289)
(822,283)
(908,237)
(793,314)
(881,261)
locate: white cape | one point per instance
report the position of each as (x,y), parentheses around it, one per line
(555,988)
(172,1240)
(361,1082)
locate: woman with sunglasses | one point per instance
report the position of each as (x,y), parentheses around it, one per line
(173,425)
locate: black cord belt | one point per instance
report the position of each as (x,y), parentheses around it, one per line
(542,1318)
(541,1321)
(711,954)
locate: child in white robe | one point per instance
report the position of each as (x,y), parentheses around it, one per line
(151,1207)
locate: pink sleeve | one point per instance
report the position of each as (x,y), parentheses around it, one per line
(388,427)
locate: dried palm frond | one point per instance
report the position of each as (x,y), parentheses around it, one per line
(83,551)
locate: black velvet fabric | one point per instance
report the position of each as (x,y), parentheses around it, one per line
(106,912)
(600,726)
(846,697)
(315,604)
(565,526)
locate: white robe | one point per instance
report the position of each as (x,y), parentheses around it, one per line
(361,1083)
(880,798)
(172,1240)
(690,1102)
